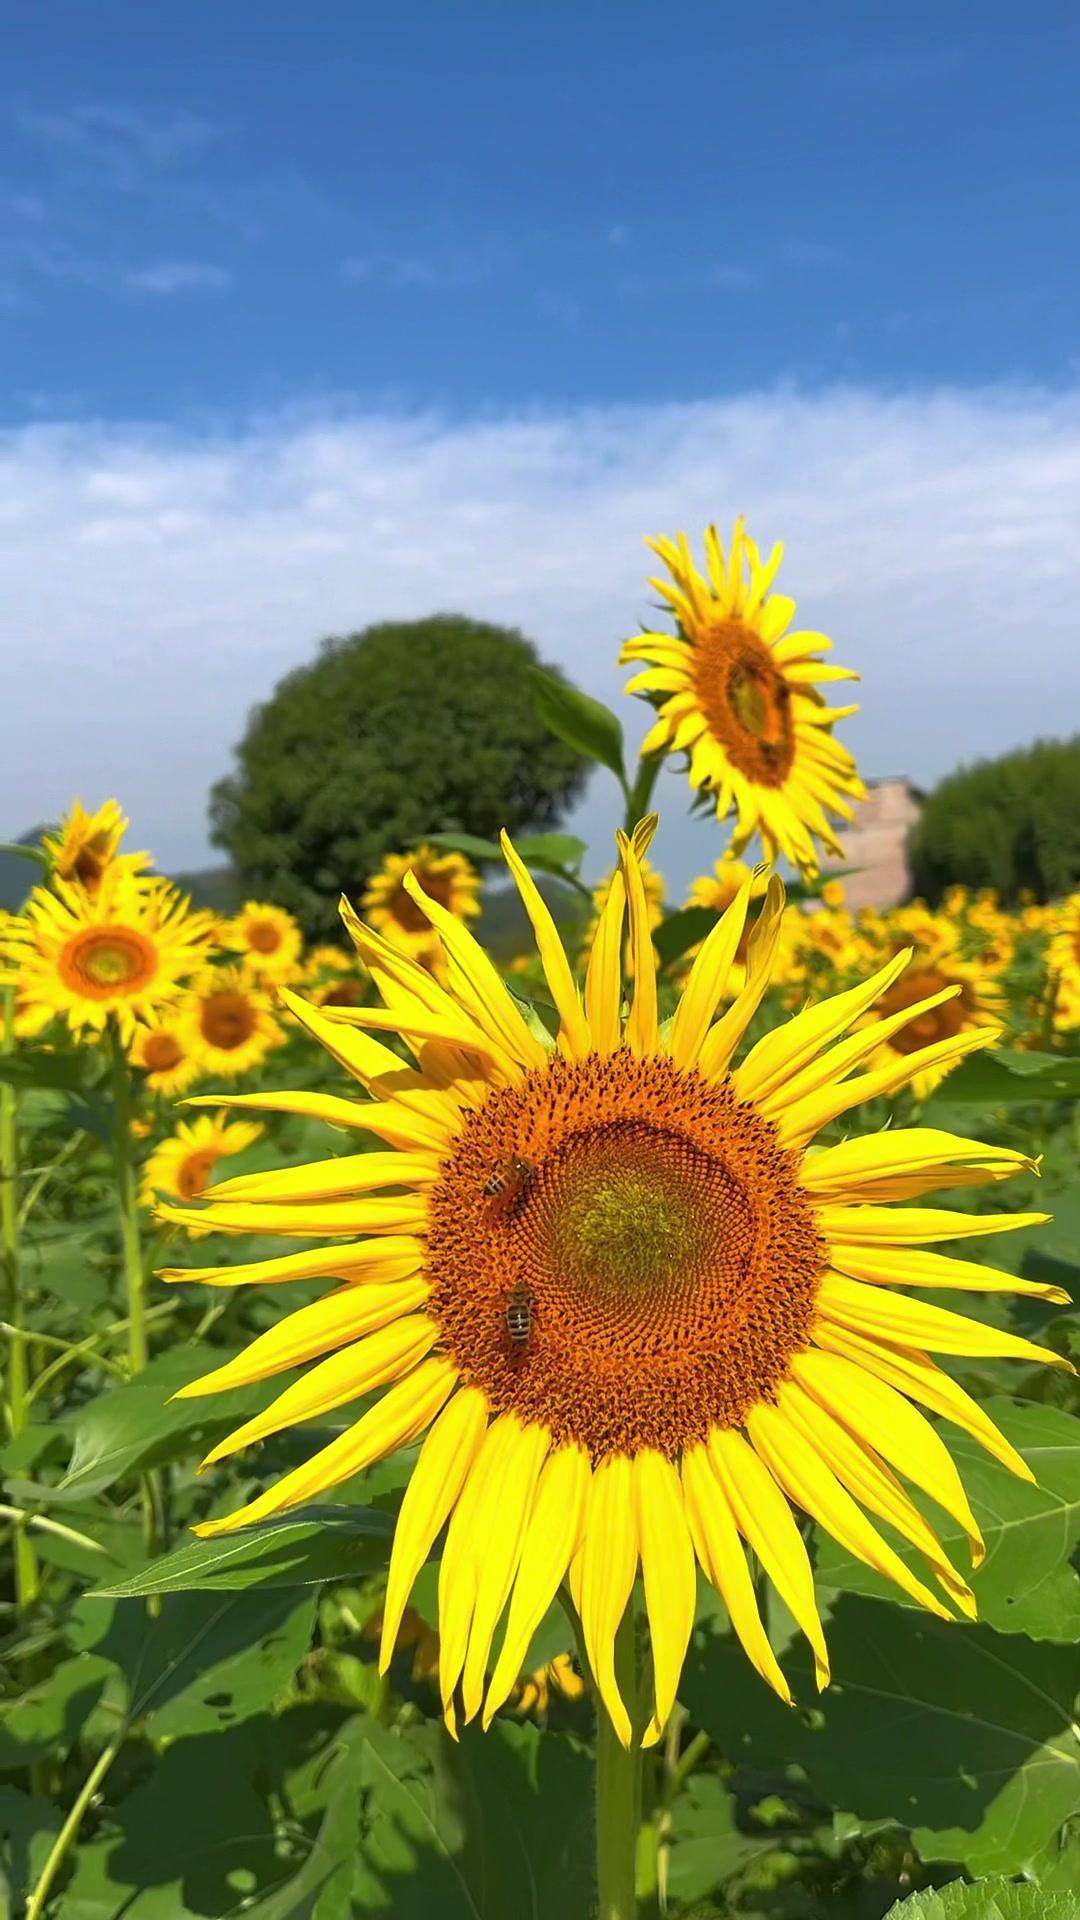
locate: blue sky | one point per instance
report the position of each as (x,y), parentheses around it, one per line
(483,205)
(316,316)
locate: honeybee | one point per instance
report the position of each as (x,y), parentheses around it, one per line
(508,1185)
(518,1314)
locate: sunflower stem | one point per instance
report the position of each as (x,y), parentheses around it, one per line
(18,1357)
(618,1787)
(131,1243)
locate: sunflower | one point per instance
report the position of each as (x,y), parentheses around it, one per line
(184,1164)
(166,1056)
(956,997)
(269,939)
(335,978)
(631,1305)
(89,843)
(1064,954)
(227,1019)
(447,878)
(125,951)
(738,694)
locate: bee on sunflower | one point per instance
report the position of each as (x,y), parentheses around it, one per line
(719,1321)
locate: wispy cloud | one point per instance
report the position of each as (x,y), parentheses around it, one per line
(179,276)
(932,533)
(119,141)
(446,270)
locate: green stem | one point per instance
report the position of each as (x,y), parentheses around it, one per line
(618,1787)
(18,1376)
(61,1846)
(134,1264)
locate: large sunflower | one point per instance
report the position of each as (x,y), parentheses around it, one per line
(632,1306)
(739,694)
(87,844)
(227,1019)
(269,939)
(447,878)
(124,951)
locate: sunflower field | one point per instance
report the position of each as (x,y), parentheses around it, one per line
(575,1423)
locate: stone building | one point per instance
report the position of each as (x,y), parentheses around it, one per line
(875,845)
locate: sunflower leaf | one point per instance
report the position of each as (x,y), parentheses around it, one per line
(1004,1077)
(305,1547)
(580,721)
(964,1736)
(681,931)
(989,1900)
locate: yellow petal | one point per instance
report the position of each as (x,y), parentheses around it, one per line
(722,1039)
(708,977)
(434,1485)
(369,1363)
(414,1021)
(405,1213)
(477,982)
(641,1027)
(906,1226)
(319,1106)
(507,1508)
(667,1566)
(805,1118)
(603,978)
(883,1419)
(552,1538)
(396,1420)
(835,1065)
(459,1566)
(574,1036)
(723,1562)
(902,1163)
(315,1329)
(912,1373)
(608,1565)
(813,1486)
(779,1056)
(328,1179)
(911,1323)
(764,1519)
(385,1076)
(912,1267)
(858,1468)
(392,1258)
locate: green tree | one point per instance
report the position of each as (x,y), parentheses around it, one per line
(406,729)
(1012,823)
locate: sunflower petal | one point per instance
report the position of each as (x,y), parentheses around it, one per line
(508,1503)
(707,979)
(723,1562)
(329,1179)
(763,1517)
(902,1163)
(552,1537)
(434,1485)
(912,1323)
(390,1258)
(603,978)
(608,1564)
(477,983)
(720,1042)
(667,1566)
(313,1330)
(459,1566)
(907,1226)
(779,1056)
(574,1037)
(641,1028)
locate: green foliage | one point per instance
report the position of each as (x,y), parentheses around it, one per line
(987,1900)
(389,735)
(1010,824)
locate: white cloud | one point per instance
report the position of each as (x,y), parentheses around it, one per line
(156,584)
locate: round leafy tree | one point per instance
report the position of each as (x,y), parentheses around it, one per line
(1012,824)
(407,729)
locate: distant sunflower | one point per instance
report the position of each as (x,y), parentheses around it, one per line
(955,997)
(637,1309)
(447,878)
(269,939)
(739,696)
(228,1021)
(334,978)
(125,950)
(184,1165)
(89,843)
(166,1056)
(1064,954)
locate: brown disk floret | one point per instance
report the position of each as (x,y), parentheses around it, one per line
(659,1234)
(746,701)
(937,1023)
(226,1019)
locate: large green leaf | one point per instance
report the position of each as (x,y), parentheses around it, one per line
(963,1735)
(708,1847)
(986,1900)
(39,1067)
(580,721)
(320,1888)
(205,1660)
(312,1544)
(45,1721)
(28,1827)
(136,1425)
(1027,1583)
(680,931)
(497,1826)
(553,852)
(1005,1076)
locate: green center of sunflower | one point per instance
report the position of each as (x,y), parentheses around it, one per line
(621,1224)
